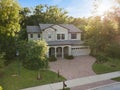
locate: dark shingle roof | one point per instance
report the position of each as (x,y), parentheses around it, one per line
(70,27)
(65,42)
(33,29)
(44,26)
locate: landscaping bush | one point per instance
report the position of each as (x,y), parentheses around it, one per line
(1,88)
(113,51)
(101,58)
(35,64)
(52,58)
(69,57)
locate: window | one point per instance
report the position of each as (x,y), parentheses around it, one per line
(31,35)
(49,35)
(63,36)
(38,35)
(60,36)
(73,36)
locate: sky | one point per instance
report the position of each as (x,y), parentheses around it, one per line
(75,8)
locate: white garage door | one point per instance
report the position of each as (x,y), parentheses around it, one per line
(80,51)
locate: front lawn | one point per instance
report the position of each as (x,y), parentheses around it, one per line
(110,66)
(27,78)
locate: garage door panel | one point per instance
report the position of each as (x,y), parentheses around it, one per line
(78,52)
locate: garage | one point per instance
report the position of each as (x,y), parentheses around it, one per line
(81,50)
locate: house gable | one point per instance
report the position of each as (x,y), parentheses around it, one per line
(60,29)
(49,34)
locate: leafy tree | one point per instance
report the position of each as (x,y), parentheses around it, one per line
(35,56)
(114,18)
(99,34)
(9,17)
(22,35)
(47,14)
(80,22)
(113,50)
(2,60)
(9,25)
(22,47)
(24,17)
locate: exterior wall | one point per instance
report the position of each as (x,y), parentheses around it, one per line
(47,32)
(53,32)
(35,36)
(61,30)
(78,36)
(57,30)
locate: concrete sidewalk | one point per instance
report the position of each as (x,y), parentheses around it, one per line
(77,82)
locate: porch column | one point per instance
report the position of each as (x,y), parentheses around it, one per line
(48,52)
(62,52)
(70,50)
(55,51)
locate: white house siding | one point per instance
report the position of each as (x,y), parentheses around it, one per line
(78,36)
(35,36)
(47,32)
(61,30)
(80,50)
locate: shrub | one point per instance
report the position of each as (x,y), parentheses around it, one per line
(69,57)
(113,51)
(1,88)
(52,58)
(101,58)
(35,64)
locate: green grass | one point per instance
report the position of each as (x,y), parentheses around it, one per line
(26,79)
(109,66)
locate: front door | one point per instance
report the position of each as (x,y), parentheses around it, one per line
(59,52)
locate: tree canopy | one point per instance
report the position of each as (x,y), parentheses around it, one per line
(44,14)
(35,55)
(9,17)
(9,26)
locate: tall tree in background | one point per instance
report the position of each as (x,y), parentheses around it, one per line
(9,25)
(47,14)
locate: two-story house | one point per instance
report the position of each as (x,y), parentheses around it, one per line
(62,39)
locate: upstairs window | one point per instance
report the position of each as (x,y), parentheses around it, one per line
(60,36)
(63,36)
(38,35)
(74,36)
(31,35)
(49,35)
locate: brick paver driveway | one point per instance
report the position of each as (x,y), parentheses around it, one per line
(78,67)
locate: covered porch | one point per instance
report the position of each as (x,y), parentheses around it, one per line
(59,51)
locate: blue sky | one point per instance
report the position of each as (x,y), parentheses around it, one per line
(75,8)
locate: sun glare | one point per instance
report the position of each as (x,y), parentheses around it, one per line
(104,6)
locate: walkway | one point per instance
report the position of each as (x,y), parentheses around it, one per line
(77,82)
(113,86)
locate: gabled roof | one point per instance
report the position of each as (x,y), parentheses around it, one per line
(65,42)
(44,26)
(71,28)
(33,29)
